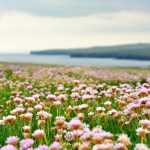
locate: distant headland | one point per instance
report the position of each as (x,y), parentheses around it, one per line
(138,51)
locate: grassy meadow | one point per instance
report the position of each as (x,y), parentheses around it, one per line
(46,107)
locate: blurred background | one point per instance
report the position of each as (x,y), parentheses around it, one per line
(67,32)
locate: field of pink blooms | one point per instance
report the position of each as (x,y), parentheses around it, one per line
(46,107)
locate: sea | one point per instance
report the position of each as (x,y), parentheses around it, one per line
(69,61)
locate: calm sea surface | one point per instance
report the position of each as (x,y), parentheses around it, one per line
(66,60)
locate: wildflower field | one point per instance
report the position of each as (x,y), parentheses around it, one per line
(74,108)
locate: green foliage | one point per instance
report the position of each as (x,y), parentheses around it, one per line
(8,73)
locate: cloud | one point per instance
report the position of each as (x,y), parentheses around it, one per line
(70,8)
(22,31)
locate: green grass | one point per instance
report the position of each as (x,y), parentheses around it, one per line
(111,124)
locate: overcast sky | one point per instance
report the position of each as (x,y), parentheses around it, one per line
(41,24)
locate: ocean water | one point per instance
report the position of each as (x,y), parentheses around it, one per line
(66,60)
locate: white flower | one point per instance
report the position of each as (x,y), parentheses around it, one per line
(141,147)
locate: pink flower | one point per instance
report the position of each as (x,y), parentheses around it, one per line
(75,95)
(123,138)
(55,146)
(75,124)
(17,110)
(77,133)
(119,146)
(38,107)
(36,96)
(43,115)
(51,97)
(29,87)
(42,147)
(103,147)
(143,102)
(38,134)
(13,140)
(8,147)
(10,119)
(26,143)
(141,147)
(145,123)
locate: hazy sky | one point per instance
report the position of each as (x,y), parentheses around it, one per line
(41,24)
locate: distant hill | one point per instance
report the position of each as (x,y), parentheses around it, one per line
(138,51)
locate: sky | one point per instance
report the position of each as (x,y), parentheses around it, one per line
(45,24)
